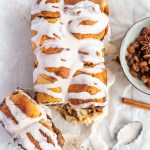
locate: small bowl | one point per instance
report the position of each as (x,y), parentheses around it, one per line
(129,37)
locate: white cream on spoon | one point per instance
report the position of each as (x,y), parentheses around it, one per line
(128,133)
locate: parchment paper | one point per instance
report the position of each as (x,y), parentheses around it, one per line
(16,68)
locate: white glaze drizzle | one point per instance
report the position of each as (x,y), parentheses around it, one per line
(70,12)
(87,5)
(42,6)
(101,23)
(34,131)
(86,96)
(46,28)
(96,69)
(23,120)
(88,11)
(54,60)
(92,50)
(89,80)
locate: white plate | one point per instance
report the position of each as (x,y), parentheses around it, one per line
(130,36)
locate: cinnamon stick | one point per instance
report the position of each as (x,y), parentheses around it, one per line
(137,104)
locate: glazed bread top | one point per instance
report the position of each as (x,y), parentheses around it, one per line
(53,8)
(45,8)
(69,64)
(18,111)
(28,124)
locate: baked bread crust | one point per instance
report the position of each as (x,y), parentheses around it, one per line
(51,42)
(27,122)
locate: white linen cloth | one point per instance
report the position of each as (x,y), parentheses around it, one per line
(16,67)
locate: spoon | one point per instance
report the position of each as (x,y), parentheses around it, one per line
(128,134)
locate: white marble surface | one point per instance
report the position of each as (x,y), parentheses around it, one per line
(16,66)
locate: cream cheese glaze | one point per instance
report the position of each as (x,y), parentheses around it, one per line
(84,10)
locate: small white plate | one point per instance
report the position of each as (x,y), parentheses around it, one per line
(130,36)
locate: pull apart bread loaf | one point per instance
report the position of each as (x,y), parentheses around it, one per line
(70,73)
(27,123)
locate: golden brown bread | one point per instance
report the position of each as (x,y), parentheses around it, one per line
(52,1)
(83,101)
(43,98)
(25,105)
(83,88)
(22,102)
(18,110)
(50,50)
(34,142)
(46,14)
(62,72)
(44,79)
